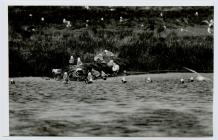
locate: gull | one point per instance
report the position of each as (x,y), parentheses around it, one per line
(182,80)
(196,13)
(12,81)
(121,19)
(87,7)
(68,23)
(64,20)
(148,80)
(199,77)
(210,25)
(191,79)
(102,19)
(123,80)
(183,30)
(30,15)
(161,14)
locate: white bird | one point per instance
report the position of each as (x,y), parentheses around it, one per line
(65,77)
(79,62)
(199,77)
(182,80)
(183,30)
(12,81)
(87,20)
(87,7)
(68,24)
(123,80)
(121,19)
(142,25)
(210,25)
(87,25)
(191,79)
(42,19)
(161,14)
(148,80)
(196,13)
(64,20)
(112,9)
(102,19)
(30,15)
(89,78)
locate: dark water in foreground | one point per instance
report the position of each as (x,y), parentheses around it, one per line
(40,107)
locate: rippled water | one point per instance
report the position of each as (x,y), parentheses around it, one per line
(165,107)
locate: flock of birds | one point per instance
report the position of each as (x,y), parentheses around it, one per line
(210,23)
(197,77)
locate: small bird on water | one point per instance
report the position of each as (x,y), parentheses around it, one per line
(191,79)
(148,80)
(12,81)
(123,80)
(182,80)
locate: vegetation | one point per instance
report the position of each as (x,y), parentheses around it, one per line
(139,41)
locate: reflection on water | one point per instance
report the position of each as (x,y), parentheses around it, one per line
(40,107)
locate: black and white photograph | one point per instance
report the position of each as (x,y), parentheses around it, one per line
(111,71)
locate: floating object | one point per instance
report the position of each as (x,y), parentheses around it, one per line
(123,80)
(87,25)
(196,13)
(182,80)
(12,81)
(102,19)
(30,15)
(148,80)
(42,19)
(199,77)
(33,29)
(142,25)
(87,20)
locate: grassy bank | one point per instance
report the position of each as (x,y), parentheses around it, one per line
(37,47)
